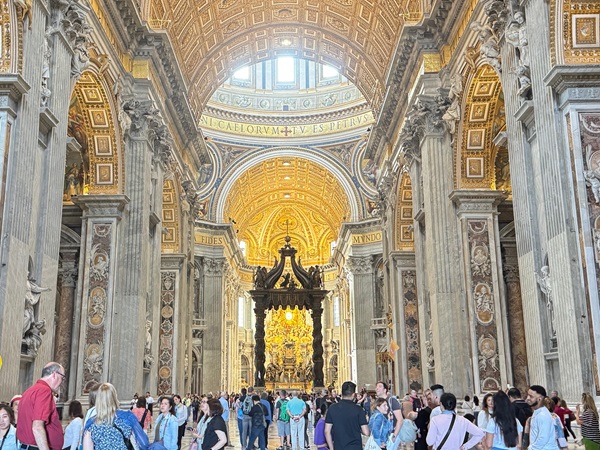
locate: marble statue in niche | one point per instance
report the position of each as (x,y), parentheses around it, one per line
(516,35)
(148,358)
(33,328)
(544,281)
(453,113)
(592,179)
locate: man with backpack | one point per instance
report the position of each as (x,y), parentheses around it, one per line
(258,424)
(282,418)
(247,419)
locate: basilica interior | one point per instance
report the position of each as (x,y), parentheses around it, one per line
(205,195)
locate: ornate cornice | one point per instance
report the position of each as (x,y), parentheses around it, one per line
(296,119)
(103,206)
(477,201)
(146,43)
(430,35)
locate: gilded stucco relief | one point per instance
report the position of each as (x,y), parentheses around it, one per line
(212,38)
(170,240)
(404,216)
(577,36)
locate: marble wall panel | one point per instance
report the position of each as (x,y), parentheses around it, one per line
(166,332)
(482,295)
(411,327)
(97,304)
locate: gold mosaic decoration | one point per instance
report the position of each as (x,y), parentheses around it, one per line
(475,163)
(404,216)
(211,38)
(91,123)
(170,240)
(580,38)
(287,193)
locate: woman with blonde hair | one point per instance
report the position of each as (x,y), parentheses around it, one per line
(112,428)
(588,420)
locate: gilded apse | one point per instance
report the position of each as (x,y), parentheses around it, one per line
(284,195)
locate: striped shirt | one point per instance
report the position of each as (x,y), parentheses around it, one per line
(589,426)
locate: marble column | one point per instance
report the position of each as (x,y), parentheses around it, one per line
(516,324)
(317,343)
(259,342)
(213,313)
(65,319)
(360,280)
(96,295)
(481,259)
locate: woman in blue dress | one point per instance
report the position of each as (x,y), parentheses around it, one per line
(111,427)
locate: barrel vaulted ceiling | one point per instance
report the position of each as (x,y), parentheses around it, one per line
(214,37)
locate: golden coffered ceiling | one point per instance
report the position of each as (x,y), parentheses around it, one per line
(287,192)
(213,37)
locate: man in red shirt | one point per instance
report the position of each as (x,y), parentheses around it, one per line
(39,426)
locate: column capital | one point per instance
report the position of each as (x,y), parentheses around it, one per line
(359,265)
(108,206)
(426,118)
(214,266)
(140,120)
(69,276)
(481,201)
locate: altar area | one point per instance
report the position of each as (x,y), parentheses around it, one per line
(288,346)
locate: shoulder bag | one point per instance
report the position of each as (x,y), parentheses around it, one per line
(143,419)
(126,441)
(447,432)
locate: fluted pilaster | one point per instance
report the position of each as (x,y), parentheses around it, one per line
(360,281)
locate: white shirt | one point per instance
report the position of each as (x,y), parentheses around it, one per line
(181,412)
(73,433)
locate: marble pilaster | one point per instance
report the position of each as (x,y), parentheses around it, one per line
(96,290)
(477,214)
(578,91)
(428,144)
(134,253)
(360,280)
(409,336)
(213,271)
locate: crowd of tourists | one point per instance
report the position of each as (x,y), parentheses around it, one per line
(432,419)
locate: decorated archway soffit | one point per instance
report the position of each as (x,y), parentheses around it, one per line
(483,118)
(404,216)
(287,194)
(212,38)
(94,168)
